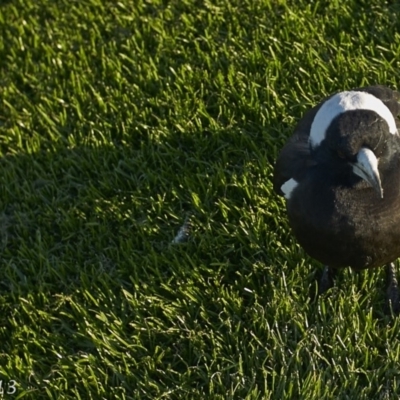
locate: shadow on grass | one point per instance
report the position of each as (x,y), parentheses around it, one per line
(85,238)
(5,2)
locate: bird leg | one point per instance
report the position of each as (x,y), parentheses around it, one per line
(327,279)
(392,289)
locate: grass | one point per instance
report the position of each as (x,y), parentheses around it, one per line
(118,121)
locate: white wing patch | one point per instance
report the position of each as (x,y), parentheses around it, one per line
(345,101)
(288,187)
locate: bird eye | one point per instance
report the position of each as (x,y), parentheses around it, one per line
(340,154)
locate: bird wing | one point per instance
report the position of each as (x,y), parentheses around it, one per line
(295,157)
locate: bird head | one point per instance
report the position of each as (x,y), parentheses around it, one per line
(351,134)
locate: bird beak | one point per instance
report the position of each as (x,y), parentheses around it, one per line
(366,167)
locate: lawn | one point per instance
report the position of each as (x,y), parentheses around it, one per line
(119,121)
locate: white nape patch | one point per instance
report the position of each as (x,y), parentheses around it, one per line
(346,101)
(288,187)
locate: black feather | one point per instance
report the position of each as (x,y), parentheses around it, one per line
(335,215)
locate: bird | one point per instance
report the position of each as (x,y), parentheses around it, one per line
(339,173)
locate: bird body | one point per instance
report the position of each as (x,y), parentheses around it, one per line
(346,223)
(340,175)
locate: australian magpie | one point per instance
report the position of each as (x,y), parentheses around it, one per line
(340,176)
